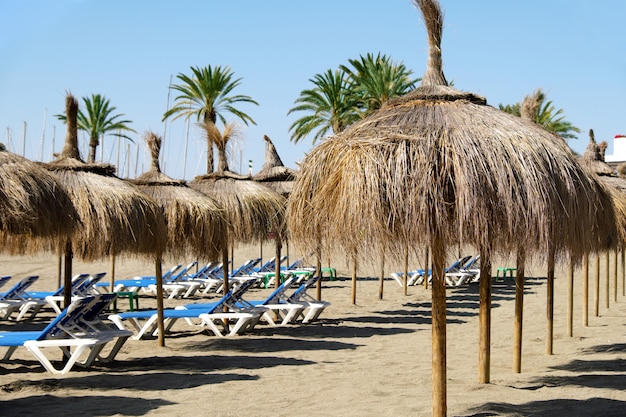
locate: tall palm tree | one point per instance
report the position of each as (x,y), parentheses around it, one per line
(331,104)
(376,79)
(206,94)
(99,121)
(344,96)
(546,114)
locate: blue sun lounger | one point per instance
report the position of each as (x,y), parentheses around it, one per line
(69,332)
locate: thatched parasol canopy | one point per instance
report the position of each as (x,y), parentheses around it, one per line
(254,213)
(33,204)
(117,218)
(442,167)
(274,174)
(195,222)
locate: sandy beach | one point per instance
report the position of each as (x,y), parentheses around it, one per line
(369,359)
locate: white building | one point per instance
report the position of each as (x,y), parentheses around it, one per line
(619,152)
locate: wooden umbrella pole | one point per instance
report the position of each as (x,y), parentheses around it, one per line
(426,268)
(570,299)
(406,270)
(381,279)
(354,278)
(615,277)
(596,288)
(112,277)
(606,281)
(318,267)
(484,313)
(623,272)
(519,310)
(279,247)
(586,289)
(60,271)
(159,284)
(67,274)
(439,329)
(550,300)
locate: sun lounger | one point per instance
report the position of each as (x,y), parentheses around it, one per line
(312,307)
(85,287)
(144,322)
(17,299)
(465,273)
(68,332)
(142,281)
(276,304)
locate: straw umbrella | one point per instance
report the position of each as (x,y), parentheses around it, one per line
(441,166)
(252,211)
(195,222)
(116,216)
(35,209)
(274,174)
(593,159)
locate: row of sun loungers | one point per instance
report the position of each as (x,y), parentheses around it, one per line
(21,301)
(233,314)
(462,271)
(83,329)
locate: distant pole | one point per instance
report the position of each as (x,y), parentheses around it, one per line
(596,289)
(54,131)
(167,106)
(136,161)
(43,134)
(24,140)
(8,138)
(117,161)
(128,161)
(186,146)
(102,148)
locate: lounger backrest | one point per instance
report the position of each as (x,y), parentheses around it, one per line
(4,279)
(276,295)
(171,271)
(233,296)
(56,328)
(297,294)
(458,263)
(181,273)
(18,290)
(471,262)
(88,283)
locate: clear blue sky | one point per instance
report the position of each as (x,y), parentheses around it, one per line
(128,51)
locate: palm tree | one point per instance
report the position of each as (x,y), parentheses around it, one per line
(207,95)
(545,114)
(377,79)
(344,96)
(332,105)
(99,121)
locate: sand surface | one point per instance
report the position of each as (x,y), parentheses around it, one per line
(368,359)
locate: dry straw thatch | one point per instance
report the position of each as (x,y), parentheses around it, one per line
(33,204)
(274,174)
(117,218)
(441,163)
(195,222)
(252,210)
(440,167)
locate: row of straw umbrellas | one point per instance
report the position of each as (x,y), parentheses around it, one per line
(82,209)
(436,165)
(439,165)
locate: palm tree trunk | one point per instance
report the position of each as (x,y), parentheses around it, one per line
(209,159)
